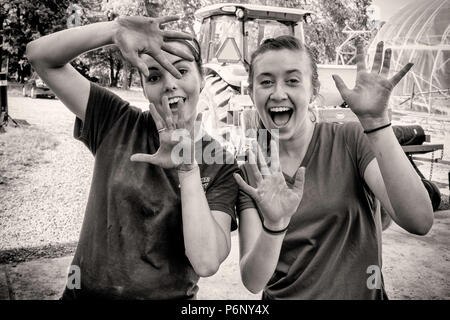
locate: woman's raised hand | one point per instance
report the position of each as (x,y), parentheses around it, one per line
(143,35)
(176,146)
(370,96)
(275,200)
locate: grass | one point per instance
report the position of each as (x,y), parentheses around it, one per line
(22,148)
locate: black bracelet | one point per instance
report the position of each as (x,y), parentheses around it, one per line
(376,129)
(274,232)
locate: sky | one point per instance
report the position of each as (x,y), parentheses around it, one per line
(389,7)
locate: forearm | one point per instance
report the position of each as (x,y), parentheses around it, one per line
(57,49)
(258,265)
(408,197)
(205,242)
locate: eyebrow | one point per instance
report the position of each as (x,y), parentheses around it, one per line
(268,74)
(153,68)
(264,74)
(294,70)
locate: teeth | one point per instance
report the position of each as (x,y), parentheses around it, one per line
(175,99)
(279,109)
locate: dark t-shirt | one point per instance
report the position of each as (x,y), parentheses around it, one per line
(332,238)
(131,244)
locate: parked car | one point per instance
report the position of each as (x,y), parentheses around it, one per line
(35,87)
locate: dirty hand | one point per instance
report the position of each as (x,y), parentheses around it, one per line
(370,96)
(177,148)
(143,35)
(275,200)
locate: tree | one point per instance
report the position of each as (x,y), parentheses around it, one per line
(26,20)
(116,8)
(324,34)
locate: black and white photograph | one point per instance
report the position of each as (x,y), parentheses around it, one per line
(207,150)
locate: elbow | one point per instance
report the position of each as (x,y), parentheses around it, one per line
(207,262)
(35,55)
(252,288)
(205,270)
(249,282)
(204,266)
(423,228)
(30,52)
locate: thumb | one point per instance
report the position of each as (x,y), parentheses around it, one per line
(299,180)
(340,85)
(245,187)
(143,157)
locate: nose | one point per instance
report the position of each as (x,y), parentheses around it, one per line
(279,93)
(170,82)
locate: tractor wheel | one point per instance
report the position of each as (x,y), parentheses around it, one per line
(214,99)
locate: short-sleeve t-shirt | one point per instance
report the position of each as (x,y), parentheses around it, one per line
(331,240)
(131,243)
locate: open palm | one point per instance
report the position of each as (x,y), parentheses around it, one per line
(370,96)
(143,35)
(275,200)
(176,149)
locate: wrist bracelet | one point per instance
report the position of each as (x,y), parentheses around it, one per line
(274,232)
(376,129)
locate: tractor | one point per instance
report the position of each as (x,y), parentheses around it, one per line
(229,34)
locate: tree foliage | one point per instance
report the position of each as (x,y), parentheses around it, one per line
(23,21)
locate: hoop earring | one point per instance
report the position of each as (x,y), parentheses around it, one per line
(312,115)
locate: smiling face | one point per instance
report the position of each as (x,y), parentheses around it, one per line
(182,93)
(282,90)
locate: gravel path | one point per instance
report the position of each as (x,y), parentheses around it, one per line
(46,206)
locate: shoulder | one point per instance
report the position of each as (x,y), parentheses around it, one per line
(335,138)
(330,132)
(98,93)
(353,128)
(348,132)
(353,133)
(346,128)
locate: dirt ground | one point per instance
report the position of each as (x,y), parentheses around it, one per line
(44,209)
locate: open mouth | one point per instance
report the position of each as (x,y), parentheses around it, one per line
(173,102)
(280,115)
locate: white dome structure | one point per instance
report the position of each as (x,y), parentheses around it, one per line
(420,33)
